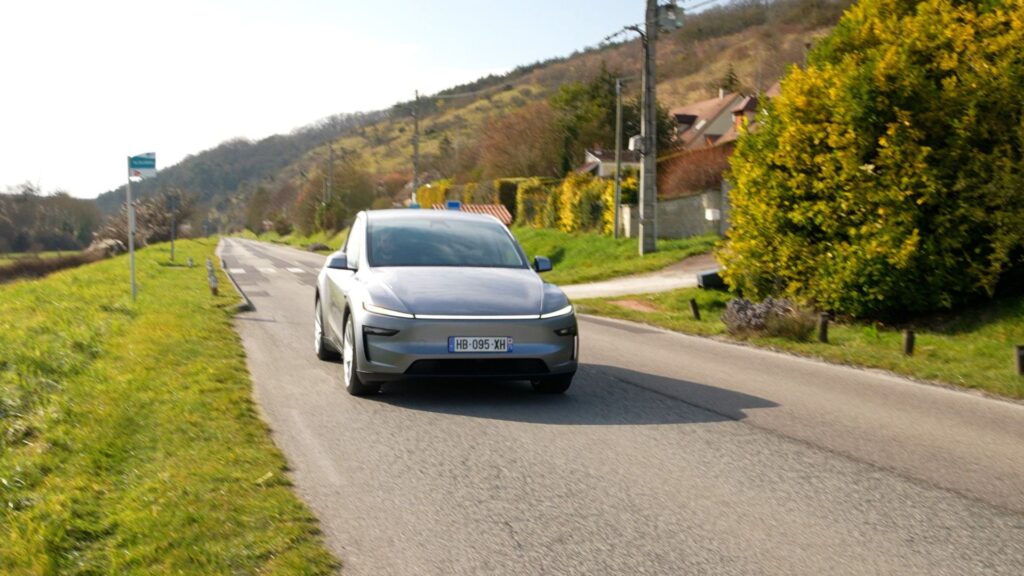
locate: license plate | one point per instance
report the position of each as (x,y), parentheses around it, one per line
(478,344)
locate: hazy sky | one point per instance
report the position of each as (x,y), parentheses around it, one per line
(86,83)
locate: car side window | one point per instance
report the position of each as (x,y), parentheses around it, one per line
(354,243)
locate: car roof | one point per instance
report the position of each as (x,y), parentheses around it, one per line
(428,214)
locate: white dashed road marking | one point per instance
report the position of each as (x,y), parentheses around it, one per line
(296,270)
(236,270)
(268,270)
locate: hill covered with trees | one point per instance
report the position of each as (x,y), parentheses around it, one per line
(533,121)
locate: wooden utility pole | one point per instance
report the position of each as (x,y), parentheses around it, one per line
(648,135)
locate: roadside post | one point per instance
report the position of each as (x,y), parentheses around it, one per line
(211,276)
(1020,359)
(694,309)
(823,327)
(142,166)
(908,342)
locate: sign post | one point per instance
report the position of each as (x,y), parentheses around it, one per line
(141,166)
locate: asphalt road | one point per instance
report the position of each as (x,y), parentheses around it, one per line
(669,455)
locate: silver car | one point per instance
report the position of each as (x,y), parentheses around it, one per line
(441,294)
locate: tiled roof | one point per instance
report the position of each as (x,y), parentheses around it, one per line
(497,210)
(706,109)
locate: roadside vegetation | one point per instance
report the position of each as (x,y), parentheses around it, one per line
(129,442)
(37,266)
(972,348)
(333,240)
(861,193)
(12,256)
(589,256)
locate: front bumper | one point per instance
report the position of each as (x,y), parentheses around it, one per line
(420,348)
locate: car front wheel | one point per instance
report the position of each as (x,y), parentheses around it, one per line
(353,384)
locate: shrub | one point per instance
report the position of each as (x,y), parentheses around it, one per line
(581,204)
(468,193)
(433,193)
(282,226)
(887,178)
(531,203)
(781,318)
(551,207)
(507,194)
(628,195)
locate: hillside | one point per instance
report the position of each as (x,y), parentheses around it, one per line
(756,40)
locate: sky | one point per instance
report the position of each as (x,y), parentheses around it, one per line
(84,84)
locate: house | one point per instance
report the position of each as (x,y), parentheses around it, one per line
(692,192)
(745,113)
(702,124)
(601,162)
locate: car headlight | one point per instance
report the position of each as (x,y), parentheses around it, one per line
(385,311)
(560,312)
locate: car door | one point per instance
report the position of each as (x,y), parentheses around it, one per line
(341,282)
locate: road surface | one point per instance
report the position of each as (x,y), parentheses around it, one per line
(669,455)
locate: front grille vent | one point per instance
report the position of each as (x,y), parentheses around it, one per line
(478,367)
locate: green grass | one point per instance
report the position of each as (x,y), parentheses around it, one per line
(129,442)
(333,240)
(12,256)
(972,349)
(586,257)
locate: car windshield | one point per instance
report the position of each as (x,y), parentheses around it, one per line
(441,242)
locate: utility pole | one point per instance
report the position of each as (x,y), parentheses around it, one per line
(415,146)
(648,135)
(618,154)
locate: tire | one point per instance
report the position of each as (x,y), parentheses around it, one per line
(349,372)
(320,345)
(553,384)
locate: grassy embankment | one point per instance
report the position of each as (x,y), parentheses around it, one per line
(587,257)
(129,442)
(7,256)
(973,348)
(333,241)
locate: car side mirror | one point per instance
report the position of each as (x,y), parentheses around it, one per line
(541,264)
(338,261)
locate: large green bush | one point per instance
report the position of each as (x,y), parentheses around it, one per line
(886,178)
(531,203)
(580,203)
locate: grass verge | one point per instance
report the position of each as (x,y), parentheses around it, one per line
(129,442)
(972,349)
(9,256)
(587,257)
(333,240)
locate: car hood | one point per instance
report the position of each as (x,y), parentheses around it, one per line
(464,291)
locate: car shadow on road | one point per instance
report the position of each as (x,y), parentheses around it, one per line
(600,395)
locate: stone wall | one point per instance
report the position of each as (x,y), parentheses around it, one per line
(682,217)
